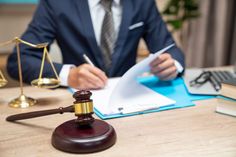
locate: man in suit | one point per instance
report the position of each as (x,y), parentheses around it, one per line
(79,28)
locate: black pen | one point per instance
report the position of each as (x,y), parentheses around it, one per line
(215,84)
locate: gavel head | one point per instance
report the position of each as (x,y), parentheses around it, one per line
(83,106)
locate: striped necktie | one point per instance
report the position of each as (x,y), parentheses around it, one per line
(107,33)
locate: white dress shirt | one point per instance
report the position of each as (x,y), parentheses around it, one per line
(97,13)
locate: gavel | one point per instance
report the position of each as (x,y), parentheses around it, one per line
(83,109)
(82,135)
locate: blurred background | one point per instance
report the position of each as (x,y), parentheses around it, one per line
(204,29)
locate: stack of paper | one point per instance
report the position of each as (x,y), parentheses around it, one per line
(140,98)
(126,95)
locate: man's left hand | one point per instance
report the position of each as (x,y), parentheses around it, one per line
(164,67)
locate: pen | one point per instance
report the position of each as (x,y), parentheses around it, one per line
(88,60)
(214,83)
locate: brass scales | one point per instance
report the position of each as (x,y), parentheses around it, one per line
(23,101)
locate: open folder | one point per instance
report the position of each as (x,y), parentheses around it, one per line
(127,96)
(127,101)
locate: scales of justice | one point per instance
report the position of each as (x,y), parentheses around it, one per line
(23,101)
(81,135)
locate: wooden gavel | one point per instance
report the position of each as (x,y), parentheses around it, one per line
(83,109)
(82,135)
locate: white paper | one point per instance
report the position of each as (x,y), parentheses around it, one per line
(101,97)
(126,95)
(128,91)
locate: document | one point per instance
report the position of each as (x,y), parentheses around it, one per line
(126,95)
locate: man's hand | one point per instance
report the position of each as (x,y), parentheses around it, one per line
(164,67)
(85,77)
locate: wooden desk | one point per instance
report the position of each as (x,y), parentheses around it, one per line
(189,132)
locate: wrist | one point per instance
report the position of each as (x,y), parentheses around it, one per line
(64,74)
(72,77)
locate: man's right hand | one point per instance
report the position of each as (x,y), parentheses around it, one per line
(86,77)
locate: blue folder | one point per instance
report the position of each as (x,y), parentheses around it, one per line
(175,90)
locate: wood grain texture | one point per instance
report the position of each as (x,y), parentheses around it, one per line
(195,131)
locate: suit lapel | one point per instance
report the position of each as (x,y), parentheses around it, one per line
(122,36)
(86,21)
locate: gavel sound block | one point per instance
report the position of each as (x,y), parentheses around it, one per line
(82,135)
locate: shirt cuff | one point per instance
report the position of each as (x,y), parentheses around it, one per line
(179,67)
(64,73)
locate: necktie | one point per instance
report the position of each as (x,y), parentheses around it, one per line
(107,33)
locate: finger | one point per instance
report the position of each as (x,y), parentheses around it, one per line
(170,77)
(85,85)
(98,73)
(163,57)
(92,79)
(80,77)
(163,75)
(94,75)
(162,66)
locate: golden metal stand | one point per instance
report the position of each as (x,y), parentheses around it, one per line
(3,81)
(46,82)
(23,101)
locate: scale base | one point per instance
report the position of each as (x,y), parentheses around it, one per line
(22,102)
(69,137)
(3,82)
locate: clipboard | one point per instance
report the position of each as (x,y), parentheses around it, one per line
(174,89)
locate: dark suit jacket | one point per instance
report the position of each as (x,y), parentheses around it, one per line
(69,22)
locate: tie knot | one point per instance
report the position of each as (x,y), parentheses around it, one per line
(106,4)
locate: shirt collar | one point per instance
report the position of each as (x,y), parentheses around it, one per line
(93,3)
(117,2)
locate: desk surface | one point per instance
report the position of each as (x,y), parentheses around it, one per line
(194,131)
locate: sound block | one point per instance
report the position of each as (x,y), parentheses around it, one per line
(69,137)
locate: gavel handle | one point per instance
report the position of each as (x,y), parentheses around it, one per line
(35,114)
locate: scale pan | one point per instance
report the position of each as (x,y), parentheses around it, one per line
(46,83)
(3,82)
